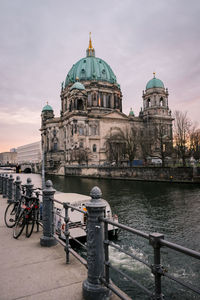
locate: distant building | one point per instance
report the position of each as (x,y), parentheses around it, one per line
(91,114)
(30,153)
(13,150)
(7,158)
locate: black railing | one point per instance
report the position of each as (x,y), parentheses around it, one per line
(98,283)
(66,230)
(156,240)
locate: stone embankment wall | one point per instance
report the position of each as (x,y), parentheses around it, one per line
(180,174)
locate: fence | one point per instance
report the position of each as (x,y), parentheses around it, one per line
(98,284)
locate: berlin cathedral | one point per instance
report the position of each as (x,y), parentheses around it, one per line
(93,130)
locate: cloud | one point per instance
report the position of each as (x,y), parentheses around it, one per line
(41,40)
(22,116)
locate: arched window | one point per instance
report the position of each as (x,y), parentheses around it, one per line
(55,146)
(161,101)
(148,102)
(79,104)
(94,148)
(81,131)
(93,130)
(70,106)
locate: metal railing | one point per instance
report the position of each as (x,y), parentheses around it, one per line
(66,231)
(98,284)
(156,240)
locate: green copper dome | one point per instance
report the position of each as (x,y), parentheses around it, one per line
(47,108)
(78,86)
(90,68)
(131,113)
(154,83)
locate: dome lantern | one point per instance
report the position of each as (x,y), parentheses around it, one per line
(90,50)
(154,83)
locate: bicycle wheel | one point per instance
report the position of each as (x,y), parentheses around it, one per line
(30,222)
(19,225)
(10,215)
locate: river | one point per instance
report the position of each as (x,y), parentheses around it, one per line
(171,209)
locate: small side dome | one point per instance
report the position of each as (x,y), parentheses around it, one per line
(131,113)
(47,108)
(78,86)
(154,83)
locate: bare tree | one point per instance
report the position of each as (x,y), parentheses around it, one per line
(82,155)
(182,125)
(195,142)
(122,145)
(163,141)
(115,147)
(145,143)
(130,137)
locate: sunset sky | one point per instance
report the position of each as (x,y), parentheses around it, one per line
(42,39)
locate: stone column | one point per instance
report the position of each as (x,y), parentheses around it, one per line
(10,189)
(29,187)
(5,186)
(17,189)
(1,181)
(48,240)
(92,287)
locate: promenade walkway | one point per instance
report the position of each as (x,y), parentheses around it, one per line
(29,271)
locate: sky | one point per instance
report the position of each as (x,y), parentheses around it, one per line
(40,40)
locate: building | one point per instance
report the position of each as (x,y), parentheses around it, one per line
(30,153)
(93,130)
(8,158)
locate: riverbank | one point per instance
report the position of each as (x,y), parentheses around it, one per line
(160,174)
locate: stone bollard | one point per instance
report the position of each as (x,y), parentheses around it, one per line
(29,187)
(92,287)
(17,189)
(48,240)
(5,186)
(1,180)
(10,189)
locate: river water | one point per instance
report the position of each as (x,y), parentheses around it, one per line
(171,209)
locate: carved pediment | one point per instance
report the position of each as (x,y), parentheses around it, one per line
(115,115)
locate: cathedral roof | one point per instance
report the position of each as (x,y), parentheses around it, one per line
(154,83)
(47,108)
(90,68)
(78,86)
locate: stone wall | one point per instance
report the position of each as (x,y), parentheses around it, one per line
(180,174)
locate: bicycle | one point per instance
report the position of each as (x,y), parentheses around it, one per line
(12,211)
(28,216)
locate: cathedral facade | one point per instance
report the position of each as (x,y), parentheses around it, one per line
(93,130)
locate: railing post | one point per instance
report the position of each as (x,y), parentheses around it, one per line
(154,240)
(29,187)
(1,180)
(10,189)
(48,240)
(66,231)
(92,287)
(17,189)
(5,186)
